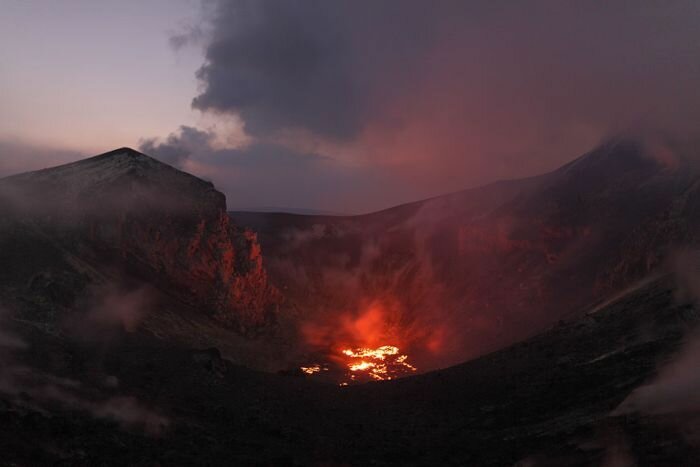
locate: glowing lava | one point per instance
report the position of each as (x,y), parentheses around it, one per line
(310,370)
(382,363)
(352,347)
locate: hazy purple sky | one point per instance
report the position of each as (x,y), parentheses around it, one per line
(340,105)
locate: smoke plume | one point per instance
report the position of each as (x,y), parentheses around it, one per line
(444,95)
(23,384)
(676,388)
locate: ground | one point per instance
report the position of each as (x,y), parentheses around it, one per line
(546,401)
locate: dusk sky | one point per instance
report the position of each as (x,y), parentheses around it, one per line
(341,106)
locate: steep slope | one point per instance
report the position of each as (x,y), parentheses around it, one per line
(459,275)
(124,214)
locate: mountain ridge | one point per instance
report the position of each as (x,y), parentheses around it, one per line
(164,225)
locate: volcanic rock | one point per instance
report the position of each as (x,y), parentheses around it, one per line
(147,219)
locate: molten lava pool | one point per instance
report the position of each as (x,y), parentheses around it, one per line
(382,363)
(362,364)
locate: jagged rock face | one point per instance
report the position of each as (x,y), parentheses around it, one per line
(136,214)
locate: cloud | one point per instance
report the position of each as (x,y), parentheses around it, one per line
(187,35)
(277,63)
(118,307)
(108,310)
(269,175)
(177,147)
(452,93)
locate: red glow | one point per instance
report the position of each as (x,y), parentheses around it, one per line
(371,328)
(372,344)
(382,363)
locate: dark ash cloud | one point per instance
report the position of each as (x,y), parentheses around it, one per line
(460,92)
(281,62)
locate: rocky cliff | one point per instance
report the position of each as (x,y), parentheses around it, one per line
(128,213)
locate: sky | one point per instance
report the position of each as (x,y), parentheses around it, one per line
(342,106)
